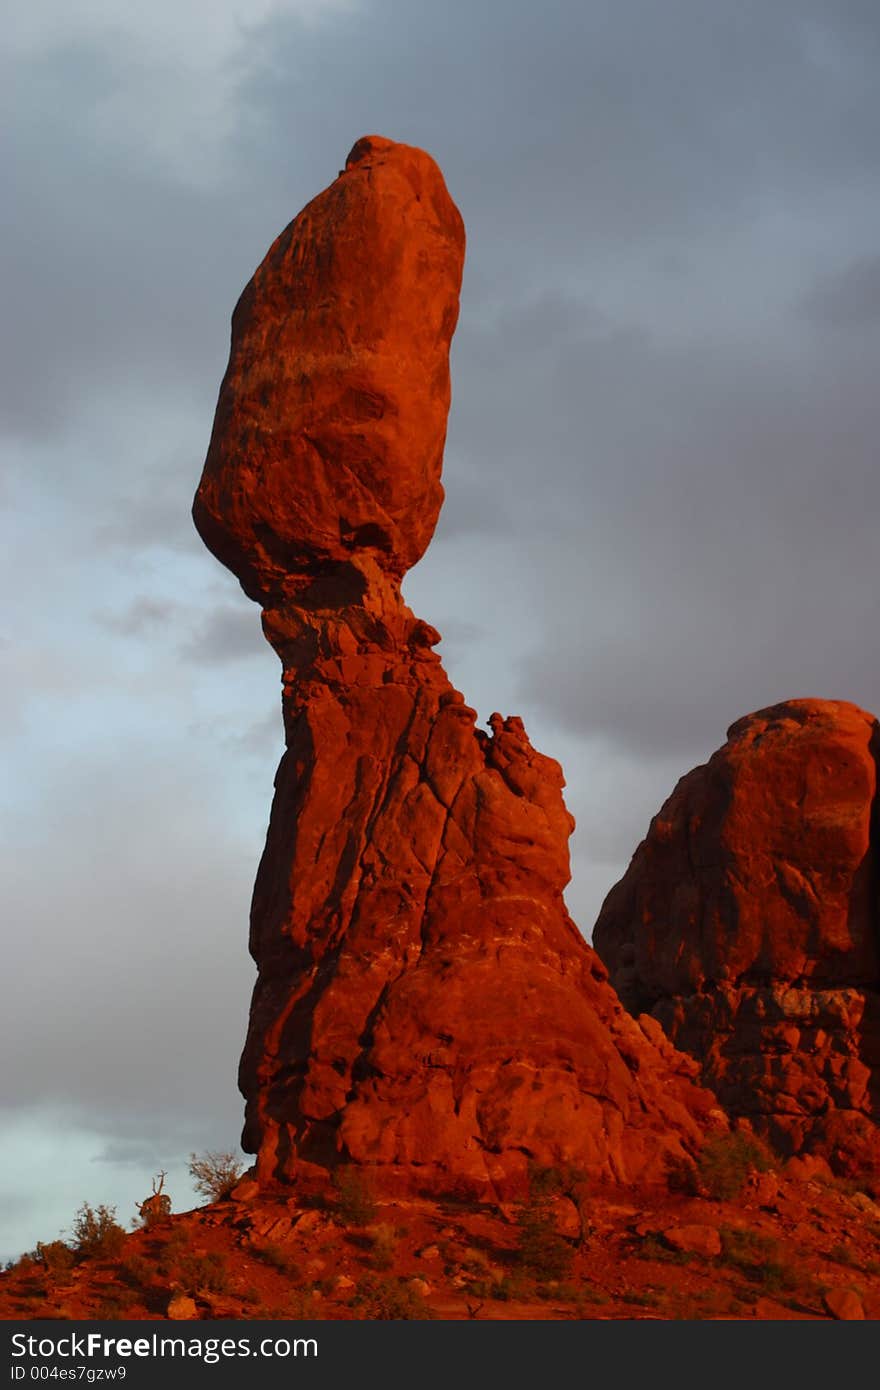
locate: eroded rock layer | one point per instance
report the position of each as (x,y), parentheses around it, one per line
(747,924)
(424,1004)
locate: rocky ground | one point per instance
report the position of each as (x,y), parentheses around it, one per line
(792,1243)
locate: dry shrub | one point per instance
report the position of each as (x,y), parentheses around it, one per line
(96,1232)
(214,1174)
(724,1164)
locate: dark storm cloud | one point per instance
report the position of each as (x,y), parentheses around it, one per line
(141,617)
(667,482)
(97,281)
(661,468)
(847,298)
(135,938)
(116,269)
(564,127)
(135,1152)
(218,635)
(227,634)
(145,518)
(707,546)
(264,737)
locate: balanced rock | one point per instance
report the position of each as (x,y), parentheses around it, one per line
(424,1005)
(748,924)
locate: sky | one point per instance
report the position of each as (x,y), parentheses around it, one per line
(662,486)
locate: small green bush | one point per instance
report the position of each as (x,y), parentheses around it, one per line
(208,1272)
(384,1238)
(758,1258)
(726,1161)
(354,1201)
(652,1248)
(111,1308)
(136,1272)
(277,1257)
(96,1232)
(542,1251)
(386,1299)
(512,1286)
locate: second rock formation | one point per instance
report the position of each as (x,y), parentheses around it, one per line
(748,924)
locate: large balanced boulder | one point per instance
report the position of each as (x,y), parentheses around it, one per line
(424,1005)
(748,925)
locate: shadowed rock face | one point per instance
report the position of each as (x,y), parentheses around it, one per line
(748,925)
(424,1004)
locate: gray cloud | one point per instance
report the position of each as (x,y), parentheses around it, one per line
(264,737)
(715,554)
(140,617)
(143,993)
(227,634)
(847,298)
(661,472)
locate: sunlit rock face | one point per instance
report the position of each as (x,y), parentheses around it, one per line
(748,925)
(424,1005)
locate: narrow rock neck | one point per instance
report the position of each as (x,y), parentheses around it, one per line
(350,630)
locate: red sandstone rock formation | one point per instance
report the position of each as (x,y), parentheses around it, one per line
(748,925)
(424,1004)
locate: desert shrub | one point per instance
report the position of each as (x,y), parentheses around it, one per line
(643,1298)
(384,1245)
(541,1250)
(111,1308)
(277,1257)
(511,1287)
(681,1174)
(743,1247)
(55,1256)
(757,1257)
(300,1305)
(214,1174)
(725,1162)
(136,1272)
(561,1180)
(195,1272)
(170,1249)
(153,1216)
(354,1200)
(652,1248)
(386,1298)
(96,1232)
(157,1207)
(588,1294)
(777,1277)
(480,1288)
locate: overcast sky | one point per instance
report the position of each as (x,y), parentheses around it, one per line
(662,483)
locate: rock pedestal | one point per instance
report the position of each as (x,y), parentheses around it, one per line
(424,1005)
